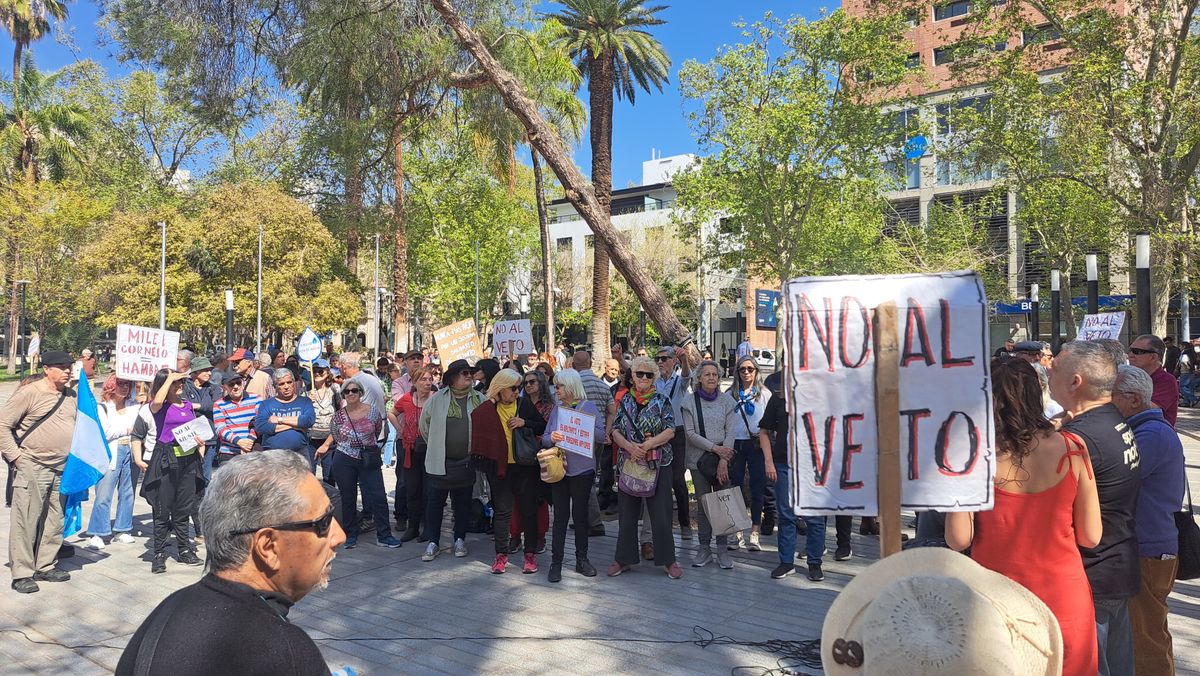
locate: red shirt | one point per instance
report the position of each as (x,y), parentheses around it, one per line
(410,427)
(1166,394)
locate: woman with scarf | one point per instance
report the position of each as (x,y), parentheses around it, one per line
(750,402)
(643,431)
(494,423)
(708,421)
(407,417)
(535,389)
(571,494)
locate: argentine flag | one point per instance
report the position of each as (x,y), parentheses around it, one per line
(87,462)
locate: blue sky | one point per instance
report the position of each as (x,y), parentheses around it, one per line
(695,29)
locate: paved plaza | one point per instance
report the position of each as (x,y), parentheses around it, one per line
(407,616)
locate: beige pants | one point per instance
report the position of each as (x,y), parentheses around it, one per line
(37,505)
(1148,614)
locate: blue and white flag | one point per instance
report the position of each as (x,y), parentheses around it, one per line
(87,462)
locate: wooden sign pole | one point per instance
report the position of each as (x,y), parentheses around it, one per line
(887,412)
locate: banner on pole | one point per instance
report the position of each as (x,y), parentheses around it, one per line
(946,429)
(515,333)
(142,351)
(578,429)
(459,340)
(1102,325)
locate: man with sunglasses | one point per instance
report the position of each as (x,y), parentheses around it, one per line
(272,539)
(1146,352)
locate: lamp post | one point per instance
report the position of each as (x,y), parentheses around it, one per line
(1093,284)
(1145,291)
(162,280)
(22,343)
(1035,329)
(477,285)
(228,321)
(258,313)
(1055,302)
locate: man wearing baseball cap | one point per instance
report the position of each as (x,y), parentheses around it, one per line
(36,427)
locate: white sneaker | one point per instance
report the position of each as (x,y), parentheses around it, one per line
(735,542)
(95,542)
(460,548)
(431,552)
(723,560)
(124,538)
(703,557)
(753,545)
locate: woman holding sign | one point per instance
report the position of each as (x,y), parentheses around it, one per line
(572,493)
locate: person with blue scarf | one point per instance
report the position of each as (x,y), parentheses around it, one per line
(750,403)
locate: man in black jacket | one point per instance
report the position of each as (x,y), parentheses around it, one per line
(271,538)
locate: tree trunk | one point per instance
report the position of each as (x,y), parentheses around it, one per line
(600,96)
(579,191)
(353,185)
(400,243)
(12,260)
(539,190)
(17,48)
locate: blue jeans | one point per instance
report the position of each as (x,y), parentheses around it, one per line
(747,456)
(121,479)
(814,543)
(389,448)
(1114,633)
(1187,388)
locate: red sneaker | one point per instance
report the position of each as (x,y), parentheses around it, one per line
(500,564)
(530,564)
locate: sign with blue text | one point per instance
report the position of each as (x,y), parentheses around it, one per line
(766,302)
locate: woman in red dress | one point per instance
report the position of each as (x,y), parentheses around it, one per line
(1046,507)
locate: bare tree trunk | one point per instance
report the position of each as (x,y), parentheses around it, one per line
(539,190)
(353,185)
(579,191)
(600,96)
(400,243)
(12,260)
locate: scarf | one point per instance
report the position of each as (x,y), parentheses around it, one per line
(642,399)
(746,401)
(706,396)
(455,411)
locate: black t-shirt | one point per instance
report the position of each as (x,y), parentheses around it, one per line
(221,627)
(1113,568)
(775,419)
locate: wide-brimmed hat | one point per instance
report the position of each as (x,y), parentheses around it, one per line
(200,364)
(931,611)
(454,367)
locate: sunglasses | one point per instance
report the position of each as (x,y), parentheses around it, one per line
(747,369)
(320,526)
(642,374)
(351,390)
(662,359)
(514,388)
(1138,350)
(530,382)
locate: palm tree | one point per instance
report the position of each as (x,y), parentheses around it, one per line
(613,50)
(27,22)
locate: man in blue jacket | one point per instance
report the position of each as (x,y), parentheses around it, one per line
(1163,483)
(283,421)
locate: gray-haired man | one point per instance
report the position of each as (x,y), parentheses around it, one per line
(283,421)
(272,539)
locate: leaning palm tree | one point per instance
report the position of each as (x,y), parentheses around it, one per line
(609,41)
(28,21)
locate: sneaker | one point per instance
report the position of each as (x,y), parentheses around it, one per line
(514,545)
(674,571)
(685,533)
(752,544)
(555,574)
(52,575)
(159,564)
(189,558)
(25,585)
(585,568)
(723,560)
(390,542)
(843,552)
(814,572)
(647,551)
(351,542)
(124,538)
(615,568)
(782,570)
(735,542)
(431,552)
(541,546)
(500,564)
(95,542)
(460,548)
(703,557)
(410,534)
(198,541)
(530,564)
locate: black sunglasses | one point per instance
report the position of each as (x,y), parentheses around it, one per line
(1138,350)
(514,388)
(530,382)
(352,390)
(320,526)
(662,359)
(746,369)
(642,374)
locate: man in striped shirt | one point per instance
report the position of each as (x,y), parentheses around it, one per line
(233,419)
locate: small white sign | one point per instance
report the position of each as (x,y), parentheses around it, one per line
(185,434)
(578,430)
(309,346)
(1100,326)
(143,351)
(512,337)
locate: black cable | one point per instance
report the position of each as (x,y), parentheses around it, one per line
(68,647)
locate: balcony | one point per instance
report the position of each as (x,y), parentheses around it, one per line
(632,209)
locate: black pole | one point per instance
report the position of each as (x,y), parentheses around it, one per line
(1145,292)
(1055,302)
(1093,285)
(642,313)
(1035,329)
(228,321)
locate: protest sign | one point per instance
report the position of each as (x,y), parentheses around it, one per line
(578,429)
(944,420)
(142,351)
(1103,325)
(185,434)
(511,337)
(459,340)
(309,346)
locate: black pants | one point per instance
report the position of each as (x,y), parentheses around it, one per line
(571,497)
(678,480)
(845,523)
(174,502)
(520,483)
(659,507)
(414,489)
(349,474)
(435,507)
(605,469)
(401,508)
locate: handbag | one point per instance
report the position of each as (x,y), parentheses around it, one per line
(525,447)
(553,464)
(709,462)
(1189,541)
(726,511)
(458,475)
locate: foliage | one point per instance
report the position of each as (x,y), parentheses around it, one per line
(952,240)
(614,30)
(39,131)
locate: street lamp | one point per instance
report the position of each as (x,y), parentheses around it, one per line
(162,280)
(228,321)
(1145,289)
(258,315)
(22,343)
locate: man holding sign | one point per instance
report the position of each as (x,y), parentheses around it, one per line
(576,427)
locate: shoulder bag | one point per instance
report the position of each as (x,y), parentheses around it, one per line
(1189,541)
(525,447)
(708,462)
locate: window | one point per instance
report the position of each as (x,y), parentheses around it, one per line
(959,169)
(1041,34)
(913,61)
(951,10)
(912,17)
(952,53)
(564,244)
(903,173)
(943,55)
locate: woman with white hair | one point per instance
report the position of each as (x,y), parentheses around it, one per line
(571,494)
(750,402)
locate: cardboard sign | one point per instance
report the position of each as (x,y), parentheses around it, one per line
(309,346)
(459,340)
(515,334)
(579,430)
(1103,325)
(946,430)
(142,351)
(185,434)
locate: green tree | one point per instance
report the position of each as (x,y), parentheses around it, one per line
(615,52)
(28,21)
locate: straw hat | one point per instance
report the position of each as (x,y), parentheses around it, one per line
(932,611)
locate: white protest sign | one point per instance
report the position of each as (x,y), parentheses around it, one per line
(35,346)
(946,430)
(185,434)
(1103,325)
(308,347)
(515,333)
(579,430)
(142,351)
(459,340)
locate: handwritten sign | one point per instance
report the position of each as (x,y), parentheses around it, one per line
(1100,326)
(459,340)
(185,434)
(947,459)
(579,430)
(142,351)
(514,333)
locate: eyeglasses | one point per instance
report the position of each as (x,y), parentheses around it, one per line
(747,369)
(660,359)
(351,390)
(530,382)
(642,374)
(319,526)
(1138,350)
